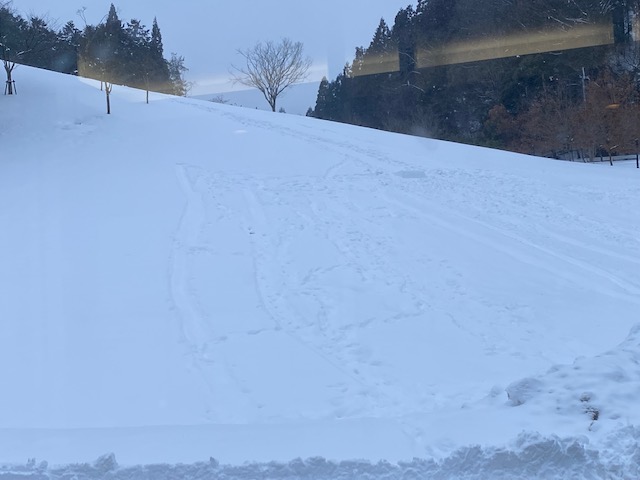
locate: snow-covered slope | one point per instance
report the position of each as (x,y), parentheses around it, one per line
(296,100)
(185,280)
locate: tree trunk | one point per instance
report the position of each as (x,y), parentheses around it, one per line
(107,90)
(8,67)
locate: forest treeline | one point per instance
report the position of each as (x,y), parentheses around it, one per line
(112,51)
(549,77)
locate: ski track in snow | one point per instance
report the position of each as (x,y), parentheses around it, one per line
(269,240)
(194,328)
(337,349)
(329,213)
(271,266)
(420,207)
(269,257)
(332,296)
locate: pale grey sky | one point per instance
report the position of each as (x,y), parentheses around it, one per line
(208,33)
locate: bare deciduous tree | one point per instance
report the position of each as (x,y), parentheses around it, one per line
(8,54)
(108,87)
(604,120)
(29,42)
(272,68)
(546,128)
(9,66)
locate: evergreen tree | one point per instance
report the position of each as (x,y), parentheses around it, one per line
(110,51)
(436,89)
(157,68)
(38,41)
(177,70)
(359,66)
(381,39)
(157,48)
(404,36)
(135,52)
(380,56)
(67,49)
(101,49)
(322,100)
(131,55)
(333,101)
(620,15)
(112,39)
(113,23)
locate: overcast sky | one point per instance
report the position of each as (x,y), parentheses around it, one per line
(208,33)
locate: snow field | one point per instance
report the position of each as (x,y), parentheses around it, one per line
(265,287)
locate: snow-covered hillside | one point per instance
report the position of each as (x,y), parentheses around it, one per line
(185,280)
(297,99)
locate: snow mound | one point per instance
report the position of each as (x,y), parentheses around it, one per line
(530,456)
(523,390)
(596,391)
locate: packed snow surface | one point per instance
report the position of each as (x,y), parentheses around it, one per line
(185,281)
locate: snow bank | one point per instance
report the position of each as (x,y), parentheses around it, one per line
(531,456)
(597,393)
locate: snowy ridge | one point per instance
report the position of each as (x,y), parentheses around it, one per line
(185,279)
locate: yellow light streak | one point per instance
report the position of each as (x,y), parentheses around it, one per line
(490,48)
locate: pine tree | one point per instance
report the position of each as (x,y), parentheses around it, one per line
(135,53)
(157,48)
(110,51)
(38,41)
(113,43)
(332,100)
(157,68)
(381,39)
(177,70)
(404,36)
(68,49)
(101,50)
(113,23)
(322,100)
(380,56)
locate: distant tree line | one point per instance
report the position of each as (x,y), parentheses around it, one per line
(604,123)
(545,77)
(112,51)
